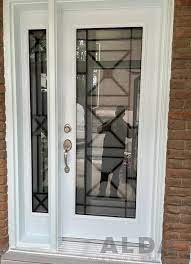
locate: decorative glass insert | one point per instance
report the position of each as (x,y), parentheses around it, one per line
(39,131)
(108,76)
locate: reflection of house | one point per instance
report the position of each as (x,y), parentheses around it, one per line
(80,122)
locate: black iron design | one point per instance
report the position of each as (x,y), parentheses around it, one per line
(39,131)
(128,59)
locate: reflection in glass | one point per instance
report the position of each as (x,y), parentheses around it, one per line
(39,132)
(108,91)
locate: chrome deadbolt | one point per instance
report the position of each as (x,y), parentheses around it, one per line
(67,128)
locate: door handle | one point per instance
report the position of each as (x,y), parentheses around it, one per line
(67,147)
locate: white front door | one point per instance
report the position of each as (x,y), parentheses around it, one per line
(107,79)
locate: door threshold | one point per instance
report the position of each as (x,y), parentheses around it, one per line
(104,250)
(78,251)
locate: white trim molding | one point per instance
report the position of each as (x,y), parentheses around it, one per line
(162,117)
(26,229)
(53,124)
(49,249)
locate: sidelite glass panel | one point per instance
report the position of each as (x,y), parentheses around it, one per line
(108,76)
(39,131)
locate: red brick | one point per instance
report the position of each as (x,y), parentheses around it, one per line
(176,227)
(3,232)
(182,32)
(173,209)
(180,94)
(3,188)
(170,260)
(182,21)
(185,219)
(177,104)
(2,116)
(181,53)
(187,164)
(181,64)
(3,197)
(177,213)
(181,43)
(171,235)
(174,182)
(178,210)
(178,173)
(176,124)
(3,172)
(185,254)
(176,144)
(180,134)
(2,145)
(175,164)
(185,210)
(186,201)
(180,245)
(180,84)
(3,215)
(2,88)
(188,124)
(187,105)
(3,154)
(170,252)
(188,145)
(3,164)
(180,115)
(3,206)
(3,223)
(182,11)
(2,126)
(171,218)
(3,169)
(172,201)
(180,3)
(179,154)
(186,182)
(185,236)
(178,191)
(4,243)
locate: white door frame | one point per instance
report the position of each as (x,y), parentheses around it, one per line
(10,6)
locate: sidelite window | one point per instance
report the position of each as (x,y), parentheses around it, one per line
(108,91)
(39,131)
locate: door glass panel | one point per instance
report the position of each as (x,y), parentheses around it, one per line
(39,131)
(108,72)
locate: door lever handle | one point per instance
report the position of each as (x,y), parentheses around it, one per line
(67,147)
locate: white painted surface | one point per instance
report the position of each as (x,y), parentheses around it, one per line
(52,125)
(33,226)
(27,257)
(25,228)
(98,227)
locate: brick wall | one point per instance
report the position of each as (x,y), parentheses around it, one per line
(177,216)
(3,169)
